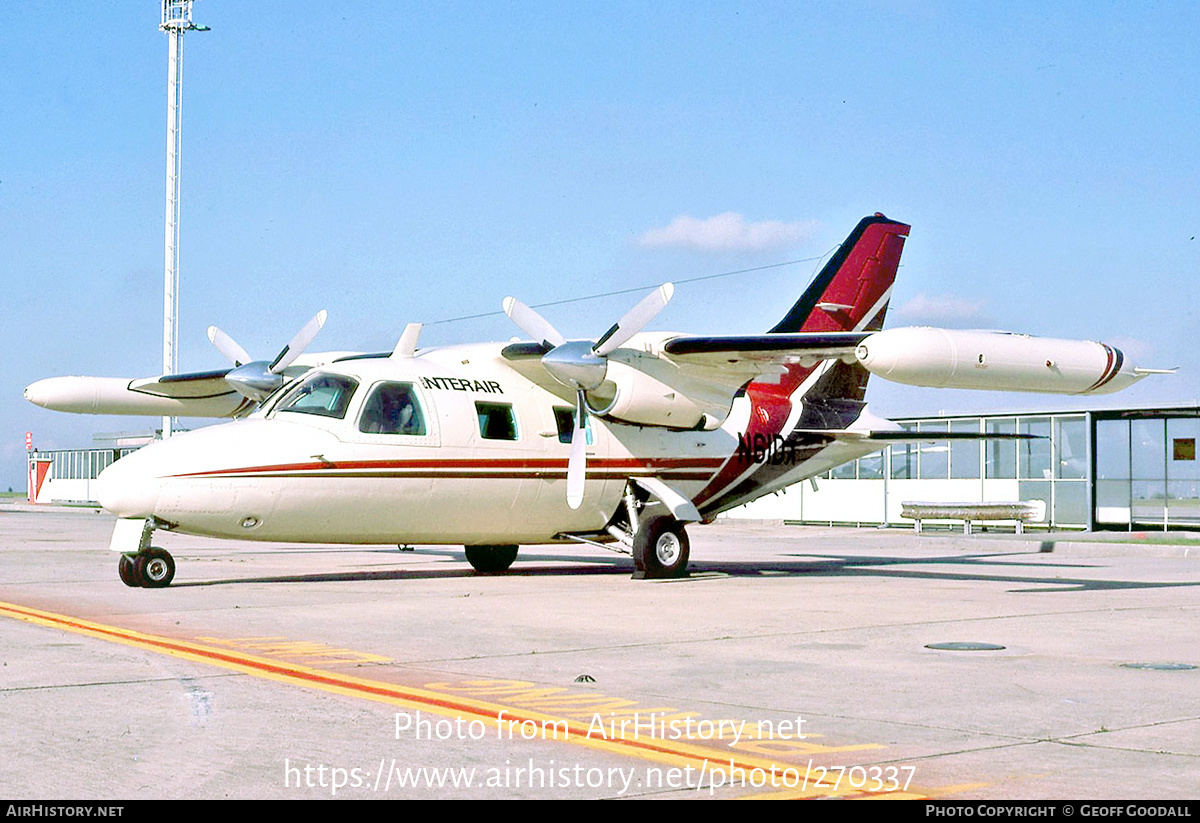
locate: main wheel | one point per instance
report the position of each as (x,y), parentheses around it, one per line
(155,569)
(661,548)
(490,559)
(126,569)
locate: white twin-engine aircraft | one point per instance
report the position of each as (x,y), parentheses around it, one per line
(622,441)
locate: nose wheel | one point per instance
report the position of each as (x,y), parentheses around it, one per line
(150,569)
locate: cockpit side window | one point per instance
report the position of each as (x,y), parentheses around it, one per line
(392,408)
(326,395)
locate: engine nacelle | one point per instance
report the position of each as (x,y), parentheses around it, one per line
(630,395)
(945,358)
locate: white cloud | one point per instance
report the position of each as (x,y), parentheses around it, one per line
(727,232)
(944,310)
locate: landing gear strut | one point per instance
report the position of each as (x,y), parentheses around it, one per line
(491,559)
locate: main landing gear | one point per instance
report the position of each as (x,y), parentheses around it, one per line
(651,530)
(649,525)
(660,548)
(153,568)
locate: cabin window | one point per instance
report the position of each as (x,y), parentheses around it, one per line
(496,421)
(564,419)
(327,395)
(392,408)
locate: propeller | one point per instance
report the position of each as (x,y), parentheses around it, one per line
(582,366)
(256,379)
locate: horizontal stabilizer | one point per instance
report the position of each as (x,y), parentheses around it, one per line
(862,436)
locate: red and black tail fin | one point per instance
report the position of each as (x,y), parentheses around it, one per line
(852,290)
(850,294)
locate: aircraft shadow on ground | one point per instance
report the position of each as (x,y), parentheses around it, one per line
(564,565)
(984,568)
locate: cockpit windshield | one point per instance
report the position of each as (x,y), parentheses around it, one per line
(327,395)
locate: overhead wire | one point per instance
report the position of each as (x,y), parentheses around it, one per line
(635,289)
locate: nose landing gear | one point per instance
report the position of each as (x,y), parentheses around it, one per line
(142,565)
(150,569)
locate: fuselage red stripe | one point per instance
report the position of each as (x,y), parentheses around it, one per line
(472,467)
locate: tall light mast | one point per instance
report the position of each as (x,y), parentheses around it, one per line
(176,20)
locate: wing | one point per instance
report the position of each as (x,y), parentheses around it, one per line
(760,354)
(191,394)
(678,381)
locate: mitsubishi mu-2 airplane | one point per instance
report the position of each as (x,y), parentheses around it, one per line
(620,441)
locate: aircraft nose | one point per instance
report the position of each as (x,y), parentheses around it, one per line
(128,488)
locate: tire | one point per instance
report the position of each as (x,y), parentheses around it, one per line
(661,548)
(491,559)
(155,568)
(126,568)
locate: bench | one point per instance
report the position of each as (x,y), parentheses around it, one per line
(1022,511)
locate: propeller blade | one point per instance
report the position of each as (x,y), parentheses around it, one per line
(577,465)
(299,343)
(227,346)
(532,323)
(634,320)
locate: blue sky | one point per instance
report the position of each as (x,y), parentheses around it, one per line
(393,162)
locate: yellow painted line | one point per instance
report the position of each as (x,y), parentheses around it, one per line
(504,719)
(298,650)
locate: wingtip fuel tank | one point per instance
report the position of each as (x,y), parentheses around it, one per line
(999,361)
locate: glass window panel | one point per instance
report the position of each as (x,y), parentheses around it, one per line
(392,408)
(871,467)
(1033,456)
(935,457)
(564,420)
(1070,504)
(964,454)
(1148,454)
(1112,449)
(1112,493)
(1070,447)
(1183,501)
(1182,434)
(1036,490)
(496,421)
(844,472)
(1001,455)
(903,457)
(326,395)
(1149,500)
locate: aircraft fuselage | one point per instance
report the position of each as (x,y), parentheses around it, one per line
(487,463)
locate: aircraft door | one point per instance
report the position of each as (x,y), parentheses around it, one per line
(395,439)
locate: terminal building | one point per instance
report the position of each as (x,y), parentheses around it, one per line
(69,475)
(1107,469)
(1131,468)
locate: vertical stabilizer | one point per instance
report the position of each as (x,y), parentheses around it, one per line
(850,294)
(852,290)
